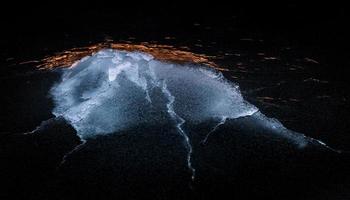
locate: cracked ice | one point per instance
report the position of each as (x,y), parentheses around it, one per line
(113,90)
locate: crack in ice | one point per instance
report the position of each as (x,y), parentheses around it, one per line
(180,121)
(221,122)
(114,91)
(40,127)
(75,149)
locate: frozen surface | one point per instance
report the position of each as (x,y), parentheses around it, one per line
(115,90)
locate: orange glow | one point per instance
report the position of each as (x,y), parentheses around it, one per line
(166,53)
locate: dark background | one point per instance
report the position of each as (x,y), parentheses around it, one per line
(31,31)
(321,28)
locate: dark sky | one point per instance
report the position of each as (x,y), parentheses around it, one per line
(322,27)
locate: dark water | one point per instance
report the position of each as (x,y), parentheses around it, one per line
(293,68)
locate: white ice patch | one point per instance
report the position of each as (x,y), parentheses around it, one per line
(112,90)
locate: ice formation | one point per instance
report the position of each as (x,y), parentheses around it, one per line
(114,90)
